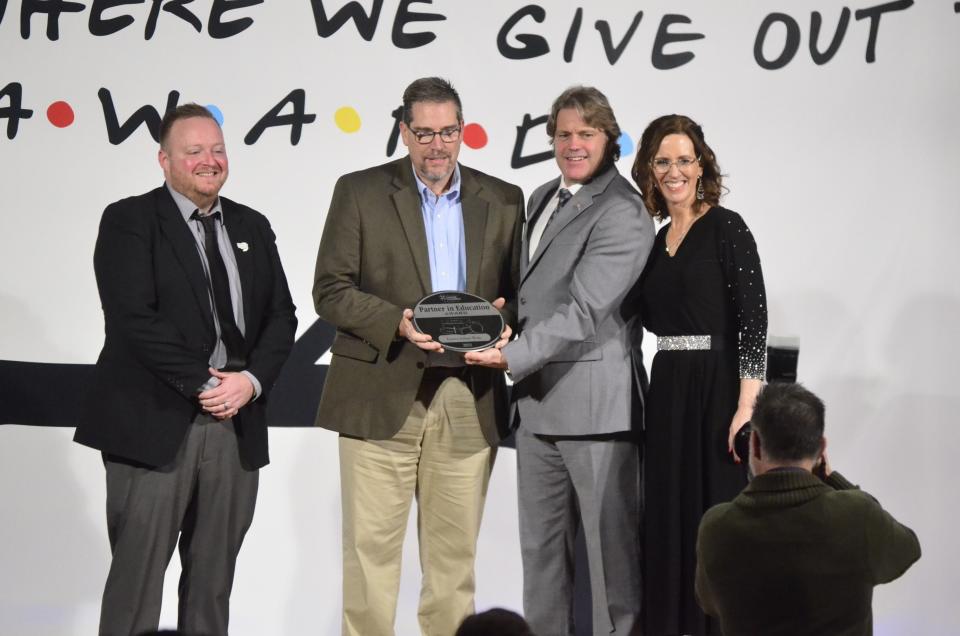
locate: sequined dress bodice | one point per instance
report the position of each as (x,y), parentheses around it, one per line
(712,286)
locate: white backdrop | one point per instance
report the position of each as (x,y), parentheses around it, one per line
(845,171)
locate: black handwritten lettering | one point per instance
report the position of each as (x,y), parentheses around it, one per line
(606,35)
(366,24)
(397,114)
(101,26)
(297,98)
(53,9)
(174,7)
(517,158)
(218,29)
(790,46)
(404,40)
(816,21)
(572,34)
(665,61)
(793,34)
(874,14)
(117,133)
(13,112)
(533,45)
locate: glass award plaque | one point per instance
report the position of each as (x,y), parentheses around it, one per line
(457,320)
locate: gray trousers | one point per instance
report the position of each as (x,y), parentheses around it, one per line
(207,499)
(563,480)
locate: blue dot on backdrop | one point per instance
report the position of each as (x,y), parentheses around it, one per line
(219,115)
(626,144)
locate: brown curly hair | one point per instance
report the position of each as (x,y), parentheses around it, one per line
(642,171)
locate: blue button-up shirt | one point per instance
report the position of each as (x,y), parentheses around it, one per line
(443,220)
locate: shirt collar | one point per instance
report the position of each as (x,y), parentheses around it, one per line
(453,192)
(187,207)
(573,188)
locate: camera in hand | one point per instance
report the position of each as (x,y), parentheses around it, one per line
(741,443)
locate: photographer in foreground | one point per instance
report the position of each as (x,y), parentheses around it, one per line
(801,548)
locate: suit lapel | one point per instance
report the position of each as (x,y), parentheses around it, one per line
(239,233)
(406,199)
(582,200)
(185,248)
(533,212)
(475,211)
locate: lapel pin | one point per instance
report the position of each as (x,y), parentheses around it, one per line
(242,245)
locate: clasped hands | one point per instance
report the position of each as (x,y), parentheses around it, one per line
(488,357)
(227,398)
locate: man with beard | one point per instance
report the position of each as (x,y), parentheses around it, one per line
(198,322)
(412,418)
(577,375)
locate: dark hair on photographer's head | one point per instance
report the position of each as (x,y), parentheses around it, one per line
(789,421)
(494,622)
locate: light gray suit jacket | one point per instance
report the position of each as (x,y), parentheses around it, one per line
(576,364)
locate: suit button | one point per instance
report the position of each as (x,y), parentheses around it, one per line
(419,365)
(523,301)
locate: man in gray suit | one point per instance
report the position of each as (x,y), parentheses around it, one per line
(577,374)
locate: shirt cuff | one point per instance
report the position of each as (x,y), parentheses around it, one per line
(257,389)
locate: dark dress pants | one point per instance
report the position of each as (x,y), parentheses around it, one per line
(204,497)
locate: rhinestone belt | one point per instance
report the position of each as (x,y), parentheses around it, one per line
(683,343)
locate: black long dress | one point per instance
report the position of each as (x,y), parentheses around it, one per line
(713,286)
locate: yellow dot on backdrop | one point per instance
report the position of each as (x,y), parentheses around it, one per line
(347,119)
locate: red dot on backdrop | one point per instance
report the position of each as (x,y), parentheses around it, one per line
(474,136)
(60,114)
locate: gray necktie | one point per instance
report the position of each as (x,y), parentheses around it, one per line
(537,230)
(562,197)
(220,287)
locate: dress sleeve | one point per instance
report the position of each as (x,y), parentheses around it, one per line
(746,294)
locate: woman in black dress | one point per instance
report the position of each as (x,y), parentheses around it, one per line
(702,295)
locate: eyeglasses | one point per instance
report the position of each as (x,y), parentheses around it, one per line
(447,135)
(662,166)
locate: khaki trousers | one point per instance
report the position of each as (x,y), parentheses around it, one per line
(441,457)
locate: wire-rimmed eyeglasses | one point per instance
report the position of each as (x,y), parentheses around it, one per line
(662,166)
